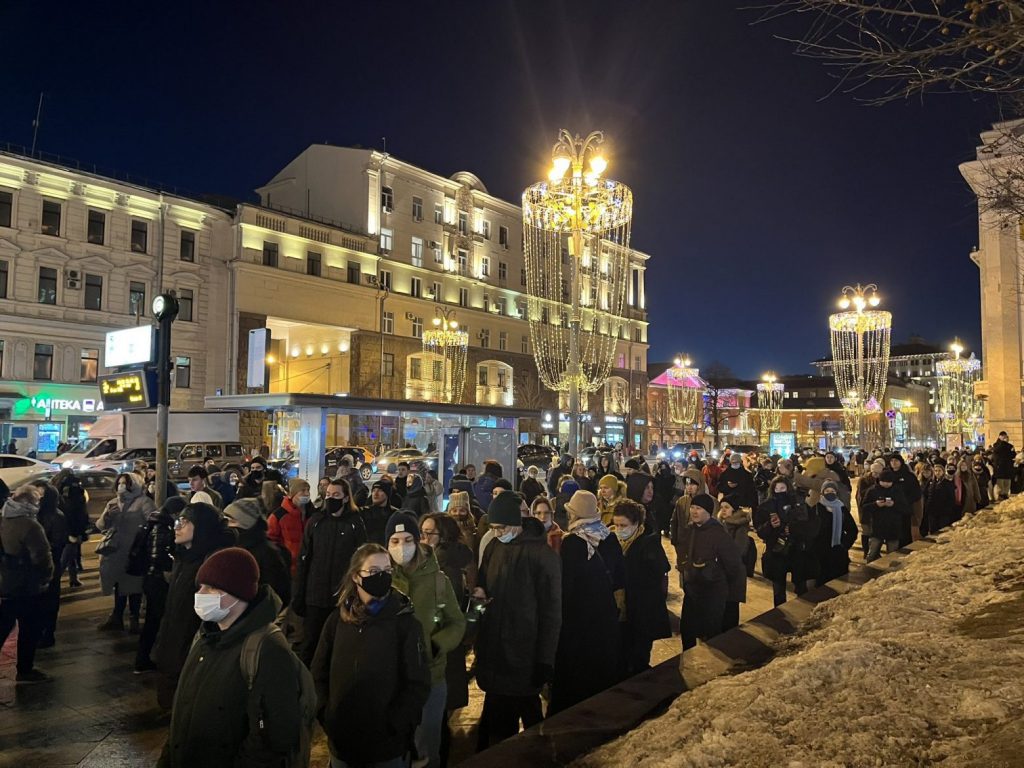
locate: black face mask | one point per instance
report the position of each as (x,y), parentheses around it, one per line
(780,496)
(257,475)
(377,585)
(333,506)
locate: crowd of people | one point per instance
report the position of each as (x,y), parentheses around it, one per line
(268,605)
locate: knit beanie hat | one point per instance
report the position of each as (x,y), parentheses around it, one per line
(402,522)
(244,512)
(458,499)
(201,497)
(501,482)
(568,486)
(704,501)
(609,481)
(583,506)
(888,476)
(829,485)
(295,485)
(505,509)
(232,570)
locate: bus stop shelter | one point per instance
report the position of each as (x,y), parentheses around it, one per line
(460,433)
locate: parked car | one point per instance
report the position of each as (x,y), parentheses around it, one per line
(100,487)
(539,456)
(389,460)
(13,468)
(120,461)
(181,457)
(362,457)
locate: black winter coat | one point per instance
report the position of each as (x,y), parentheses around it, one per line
(711,560)
(940,507)
(791,552)
(53,522)
(646,569)
(887,522)
(833,562)
(520,628)
(155,556)
(375,521)
(531,488)
(736,481)
(73,505)
(907,482)
(372,681)
(328,544)
(274,562)
(416,503)
(1002,460)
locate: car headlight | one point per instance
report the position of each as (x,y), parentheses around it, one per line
(68,464)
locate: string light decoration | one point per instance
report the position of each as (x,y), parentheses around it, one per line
(448,342)
(576,229)
(769,401)
(683,399)
(958,409)
(860,352)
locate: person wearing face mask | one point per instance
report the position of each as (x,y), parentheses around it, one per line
(252,484)
(889,512)
(541,510)
(647,570)
(328,543)
(911,490)
(788,529)
(26,574)
(199,531)
(229,710)
(438,610)
(838,532)
(940,507)
(370,669)
(246,518)
(983,478)
(459,510)
(119,523)
(286,523)
(520,581)
(736,521)
(531,487)
(736,481)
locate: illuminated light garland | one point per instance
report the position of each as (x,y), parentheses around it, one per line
(683,400)
(958,409)
(451,344)
(769,402)
(860,352)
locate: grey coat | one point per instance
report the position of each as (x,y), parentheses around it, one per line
(125,524)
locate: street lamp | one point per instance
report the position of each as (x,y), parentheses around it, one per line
(165,309)
(451,344)
(957,405)
(683,398)
(576,228)
(769,401)
(860,351)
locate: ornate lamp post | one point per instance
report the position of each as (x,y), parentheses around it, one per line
(446,340)
(683,400)
(957,405)
(576,228)
(860,352)
(769,401)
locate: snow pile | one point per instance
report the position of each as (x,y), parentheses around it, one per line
(921,666)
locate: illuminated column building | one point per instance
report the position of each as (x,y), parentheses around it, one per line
(82,253)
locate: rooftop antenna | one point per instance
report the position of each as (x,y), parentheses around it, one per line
(35,124)
(384,140)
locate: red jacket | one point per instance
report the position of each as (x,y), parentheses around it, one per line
(285,527)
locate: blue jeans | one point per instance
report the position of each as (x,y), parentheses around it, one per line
(428,732)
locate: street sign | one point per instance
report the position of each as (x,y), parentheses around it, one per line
(128,391)
(130,346)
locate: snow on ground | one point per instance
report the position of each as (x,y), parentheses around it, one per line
(922,666)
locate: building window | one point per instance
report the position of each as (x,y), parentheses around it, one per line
(3,279)
(500,304)
(42,367)
(47,285)
(526,345)
(522,276)
(503,237)
(140,234)
(182,372)
(487,303)
(387,364)
(384,280)
(481,376)
(437,292)
(187,248)
(638,334)
(50,224)
(417,251)
(387,199)
(438,370)
(463,260)
(269,254)
(6,208)
(97,227)
(463,297)
(1,358)
(353,272)
(136,298)
(438,213)
(831,393)
(313,263)
(387,239)
(796,395)
(636,362)
(485,266)
(417,209)
(415,287)
(503,340)
(186,300)
(93,291)
(389,322)
(486,229)
(415,368)
(90,366)
(417,327)
(463,223)
(436,248)
(485,338)
(502,271)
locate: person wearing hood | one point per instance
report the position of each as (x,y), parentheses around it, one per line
(913,496)
(736,521)
(370,669)
(348,472)
(415,501)
(736,481)
(837,533)
(664,496)
(520,585)
(609,490)
(438,610)
(983,478)
(377,513)
(119,523)
(763,480)
(27,572)
(483,487)
(220,717)
(712,573)
(588,646)
(889,511)
(246,518)
(152,557)
(564,467)
(531,487)
(834,462)
(606,466)
(640,488)
(56,528)
(287,522)
(199,531)
(328,543)
(73,505)
(788,528)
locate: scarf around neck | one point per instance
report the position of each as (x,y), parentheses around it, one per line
(591,531)
(835,506)
(627,543)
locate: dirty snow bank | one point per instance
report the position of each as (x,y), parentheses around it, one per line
(921,666)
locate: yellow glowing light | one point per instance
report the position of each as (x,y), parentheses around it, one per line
(561,164)
(343,346)
(324,349)
(844,303)
(309,351)
(271,359)
(598,165)
(295,351)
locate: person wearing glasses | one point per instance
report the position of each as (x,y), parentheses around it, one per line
(370,668)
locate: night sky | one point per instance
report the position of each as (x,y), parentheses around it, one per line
(757,195)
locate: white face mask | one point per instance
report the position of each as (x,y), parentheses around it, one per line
(402,553)
(625,533)
(208,608)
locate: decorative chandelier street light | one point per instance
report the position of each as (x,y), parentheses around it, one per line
(769,401)
(684,399)
(576,228)
(958,408)
(860,352)
(447,341)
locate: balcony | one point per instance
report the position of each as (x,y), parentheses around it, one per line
(493,395)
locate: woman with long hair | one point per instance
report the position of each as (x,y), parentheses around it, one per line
(542,509)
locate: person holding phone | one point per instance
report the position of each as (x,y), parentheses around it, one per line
(889,511)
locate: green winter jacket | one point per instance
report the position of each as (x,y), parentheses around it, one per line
(216,721)
(437,609)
